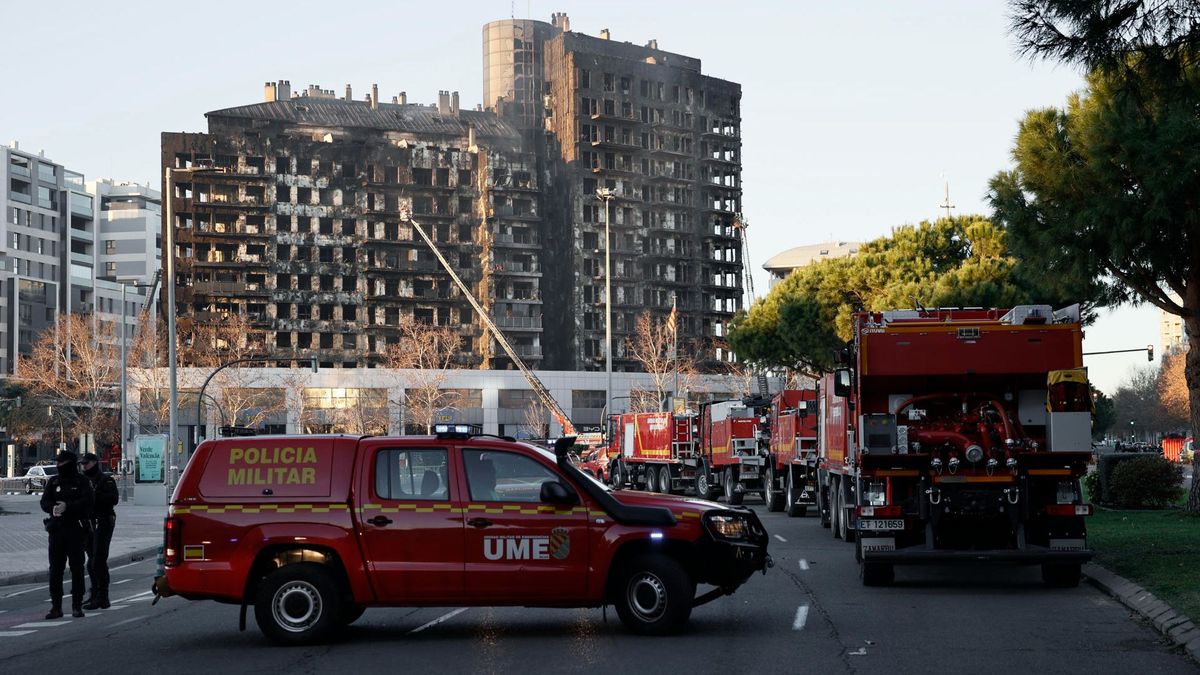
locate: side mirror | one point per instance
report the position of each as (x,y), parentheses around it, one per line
(843,382)
(554,492)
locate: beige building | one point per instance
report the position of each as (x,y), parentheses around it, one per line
(1170,329)
(782,264)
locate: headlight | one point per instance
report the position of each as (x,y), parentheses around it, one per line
(728,526)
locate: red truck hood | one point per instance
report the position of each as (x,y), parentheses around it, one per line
(676,504)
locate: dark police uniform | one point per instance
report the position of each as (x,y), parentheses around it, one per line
(104,519)
(68,531)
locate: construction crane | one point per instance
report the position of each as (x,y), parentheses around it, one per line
(535,384)
(740,225)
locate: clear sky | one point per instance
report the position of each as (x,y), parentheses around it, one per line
(853,112)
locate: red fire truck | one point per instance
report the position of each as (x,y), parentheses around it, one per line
(731,457)
(655,452)
(959,435)
(791,475)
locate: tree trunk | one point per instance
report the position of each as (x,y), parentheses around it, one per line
(1191,374)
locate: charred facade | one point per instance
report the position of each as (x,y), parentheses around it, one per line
(666,140)
(298,226)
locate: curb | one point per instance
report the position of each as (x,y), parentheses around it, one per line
(44,575)
(1175,626)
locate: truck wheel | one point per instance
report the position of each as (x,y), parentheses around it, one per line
(794,510)
(704,489)
(664,480)
(297,604)
(732,496)
(1061,576)
(847,532)
(835,509)
(651,476)
(654,596)
(771,496)
(616,476)
(877,574)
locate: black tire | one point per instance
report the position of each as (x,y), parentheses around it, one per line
(651,476)
(848,532)
(793,510)
(28,487)
(732,496)
(1060,575)
(616,476)
(704,488)
(664,480)
(297,604)
(771,496)
(877,574)
(835,509)
(654,595)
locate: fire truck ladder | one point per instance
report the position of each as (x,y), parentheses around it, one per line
(539,389)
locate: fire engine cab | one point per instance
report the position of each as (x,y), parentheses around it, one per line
(312,530)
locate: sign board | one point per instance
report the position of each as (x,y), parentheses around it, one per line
(149,451)
(445,416)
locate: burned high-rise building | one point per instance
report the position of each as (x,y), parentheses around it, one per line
(295,222)
(297,226)
(665,139)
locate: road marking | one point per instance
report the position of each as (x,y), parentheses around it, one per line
(136,562)
(861,651)
(801,618)
(123,581)
(27,590)
(134,597)
(129,620)
(42,624)
(781,539)
(14,633)
(440,619)
(113,607)
(804,564)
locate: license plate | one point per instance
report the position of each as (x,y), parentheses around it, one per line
(1067,545)
(877,544)
(896,524)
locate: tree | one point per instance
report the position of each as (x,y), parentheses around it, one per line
(74,368)
(423,354)
(238,401)
(653,345)
(962,261)
(1105,193)
(1105,416)
(1172,387)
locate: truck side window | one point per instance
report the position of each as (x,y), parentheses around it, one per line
(412,475)
(496,476)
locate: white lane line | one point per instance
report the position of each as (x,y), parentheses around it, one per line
(138,562)
(861,651)
(112,608)
(42,624)
(14,633)
(801,618)
(445,617)
(804,564)
(781,539)
(134,597)
(27,590)
(129,620)
(123,581)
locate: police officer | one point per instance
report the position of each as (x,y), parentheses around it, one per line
(68,500)
(104,519)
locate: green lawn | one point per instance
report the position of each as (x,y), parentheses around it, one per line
(1158,550)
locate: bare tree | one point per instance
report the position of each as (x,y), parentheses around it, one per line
(75,368)
(536,419)
(1172,387)
(213,345)
(147,374)
(295,386)
(653,346)
(423,354)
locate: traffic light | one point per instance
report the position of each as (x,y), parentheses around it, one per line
(1150,353)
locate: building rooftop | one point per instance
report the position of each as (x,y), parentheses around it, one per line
(405,118)
(800,256)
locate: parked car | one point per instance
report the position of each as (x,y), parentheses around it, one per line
(37,476)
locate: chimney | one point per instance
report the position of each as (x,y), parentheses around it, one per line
(395,100)
(374,96)
(403,98)
(604,34)
(471,138)
(269,92)
(566,22)
(349,93)
(454,103)
(443,102)
(653,44)
(284,90)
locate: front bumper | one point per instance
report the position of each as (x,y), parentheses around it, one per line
(728,564)
(918,555)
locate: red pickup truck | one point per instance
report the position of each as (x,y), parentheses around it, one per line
(311,530)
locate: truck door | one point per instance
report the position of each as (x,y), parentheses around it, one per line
(412,524)
(517,548)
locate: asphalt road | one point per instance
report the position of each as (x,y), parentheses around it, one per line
(809,614)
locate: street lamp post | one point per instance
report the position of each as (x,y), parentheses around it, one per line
(124,435)
(200,397)
(606,195)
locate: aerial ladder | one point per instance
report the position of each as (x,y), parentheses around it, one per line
(535,384)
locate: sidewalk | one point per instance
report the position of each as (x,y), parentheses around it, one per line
(23,556)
